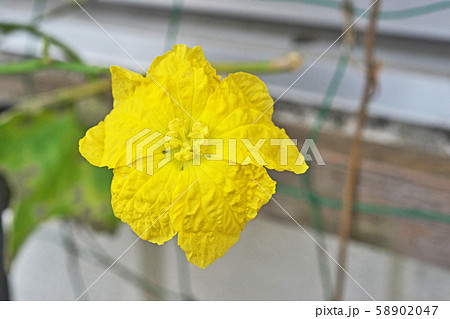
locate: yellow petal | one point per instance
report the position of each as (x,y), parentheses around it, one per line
(189,78)
(179,85)
(142,201)
(270,150)
(123,83)
(210,216)
(237,91)
(181,60)
(241,108)
(148,108)
(91,146)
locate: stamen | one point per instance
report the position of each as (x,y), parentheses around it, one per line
(182,145)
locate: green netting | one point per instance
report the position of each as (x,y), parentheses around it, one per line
(315,200)
(384,14)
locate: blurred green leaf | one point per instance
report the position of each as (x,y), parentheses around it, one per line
(39,155)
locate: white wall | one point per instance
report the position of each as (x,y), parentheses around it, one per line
(272,261)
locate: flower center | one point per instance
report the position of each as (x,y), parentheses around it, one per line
(183,142)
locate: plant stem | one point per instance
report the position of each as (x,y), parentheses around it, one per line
(313,200)
(288,62)
(64,95)
(10,27)
(174,24)
(73,262)
(34,65)
(351,179)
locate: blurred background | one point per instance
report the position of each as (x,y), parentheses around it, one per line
(59,233)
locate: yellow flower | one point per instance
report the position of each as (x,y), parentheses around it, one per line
(184,104)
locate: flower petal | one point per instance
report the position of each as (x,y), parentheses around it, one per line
(142,201)
(179,85)
(189,78)
(181,60)
(237,91)
(124,83)
(210,216)
(148,108)
(241,108)
(92,145)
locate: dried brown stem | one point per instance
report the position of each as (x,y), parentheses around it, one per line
(348,12)
(351,179)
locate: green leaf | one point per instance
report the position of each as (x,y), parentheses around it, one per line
(39,154)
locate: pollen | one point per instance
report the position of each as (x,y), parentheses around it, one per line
(184,142)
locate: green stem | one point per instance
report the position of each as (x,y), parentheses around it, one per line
(330,94)
(314,209)
(45,52)
(251,67)
(285,63)
(34,65)
(174,24)
(314,203)
(11,27)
